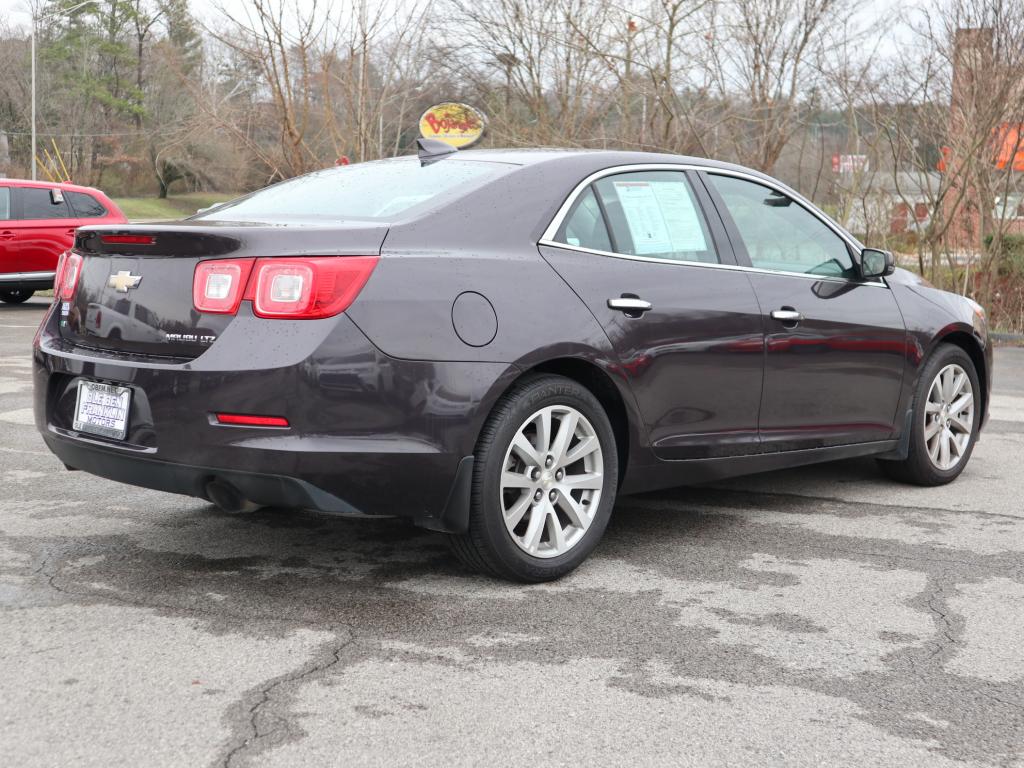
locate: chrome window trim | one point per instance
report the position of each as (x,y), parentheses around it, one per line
(710,265)
(548,238)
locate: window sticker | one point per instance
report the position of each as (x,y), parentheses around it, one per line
(661,217)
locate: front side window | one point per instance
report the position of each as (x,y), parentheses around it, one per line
(38,203)
(655,214)
(5,203)
(584,227)
(779,233)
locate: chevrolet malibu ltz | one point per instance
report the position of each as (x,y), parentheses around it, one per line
(496,344)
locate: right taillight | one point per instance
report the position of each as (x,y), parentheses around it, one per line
(285,288)
(65,280)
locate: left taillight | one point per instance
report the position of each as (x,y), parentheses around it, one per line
(59,275)
(218,286)
(282,288)
(65,279)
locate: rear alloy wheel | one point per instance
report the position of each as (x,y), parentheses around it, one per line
(544,482)
(15,295)
(945,420)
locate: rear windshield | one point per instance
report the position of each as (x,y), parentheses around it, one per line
(377,191)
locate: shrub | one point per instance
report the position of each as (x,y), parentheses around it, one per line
(1010,255)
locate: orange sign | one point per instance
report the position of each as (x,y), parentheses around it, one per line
(458,125)
(1007,149)
(1010,141)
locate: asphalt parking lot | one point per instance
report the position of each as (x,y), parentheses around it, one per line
(822,616)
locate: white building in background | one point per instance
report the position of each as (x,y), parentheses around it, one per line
(889,202)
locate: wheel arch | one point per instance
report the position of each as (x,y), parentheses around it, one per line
(969,343)
(618,404)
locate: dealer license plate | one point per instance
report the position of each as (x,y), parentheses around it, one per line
(102,409)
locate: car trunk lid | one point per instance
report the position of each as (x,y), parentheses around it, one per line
(135,290)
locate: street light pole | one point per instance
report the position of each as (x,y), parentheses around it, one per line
(32,36)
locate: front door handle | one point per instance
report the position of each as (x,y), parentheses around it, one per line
(7,235)
(632,306)
(787,315)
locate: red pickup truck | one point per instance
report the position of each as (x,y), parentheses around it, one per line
(38,220)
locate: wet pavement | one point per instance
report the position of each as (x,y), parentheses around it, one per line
(821,616)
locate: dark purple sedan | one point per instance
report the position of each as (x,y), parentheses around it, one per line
(496,344)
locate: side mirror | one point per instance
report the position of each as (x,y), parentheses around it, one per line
(876,263)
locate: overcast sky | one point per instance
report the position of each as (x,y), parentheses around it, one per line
(16,13)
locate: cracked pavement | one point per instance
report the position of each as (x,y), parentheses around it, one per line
(820,616)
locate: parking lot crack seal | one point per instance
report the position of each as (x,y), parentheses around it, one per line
(264,719)
(936,603)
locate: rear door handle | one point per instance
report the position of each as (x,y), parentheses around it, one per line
(631,305)
(787,315)
(7,235)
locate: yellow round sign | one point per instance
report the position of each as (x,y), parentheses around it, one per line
(458,125)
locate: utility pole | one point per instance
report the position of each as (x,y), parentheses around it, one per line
(32,35)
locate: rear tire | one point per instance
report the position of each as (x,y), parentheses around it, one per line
(544,482)
(947,402)
(15,295)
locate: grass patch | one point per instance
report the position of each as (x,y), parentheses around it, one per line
(173,207)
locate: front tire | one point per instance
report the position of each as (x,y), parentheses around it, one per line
(945,422)
(15,295)
(544,482)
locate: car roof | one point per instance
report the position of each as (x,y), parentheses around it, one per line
(602,158)
(63,185)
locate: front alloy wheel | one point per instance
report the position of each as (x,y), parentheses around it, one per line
(544,482)
(949,417)
(945,420)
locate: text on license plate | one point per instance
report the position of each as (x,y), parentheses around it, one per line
(102,409)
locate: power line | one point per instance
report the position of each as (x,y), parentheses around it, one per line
(76,135)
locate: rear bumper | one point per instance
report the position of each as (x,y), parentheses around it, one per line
(268,489)
(368,434)
(30,281)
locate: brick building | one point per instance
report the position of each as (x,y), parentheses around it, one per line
(985,98)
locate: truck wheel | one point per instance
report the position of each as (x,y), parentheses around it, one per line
(15,295)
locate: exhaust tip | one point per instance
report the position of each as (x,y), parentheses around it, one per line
(228,498)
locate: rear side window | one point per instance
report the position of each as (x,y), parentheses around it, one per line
(85,206)
(655,214)
(377,191)
(584,227)
(37,203)
(5,203)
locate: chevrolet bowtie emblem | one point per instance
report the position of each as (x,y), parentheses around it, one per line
(123,281)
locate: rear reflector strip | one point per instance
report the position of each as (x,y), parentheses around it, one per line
(243,420)
(127,239)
